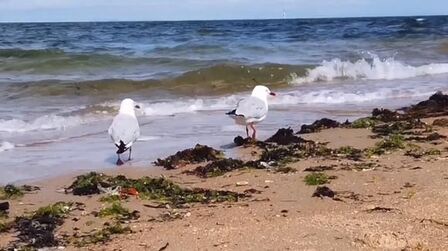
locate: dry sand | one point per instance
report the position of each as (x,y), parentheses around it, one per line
(400,204)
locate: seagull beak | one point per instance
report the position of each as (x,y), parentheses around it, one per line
(137,107)
(272,94)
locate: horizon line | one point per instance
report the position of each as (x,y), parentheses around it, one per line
(218,20)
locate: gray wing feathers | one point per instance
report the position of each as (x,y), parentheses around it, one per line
(251,108)
(124,128)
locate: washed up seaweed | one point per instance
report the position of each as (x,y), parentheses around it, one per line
(435,106)
(319,168)
(399,127)
(323,191)
(390,143)
(158,189)
(117,211)
(386,115)
(101,236)
(319,125)
(364,123)
(217,168)
(198,154)
(418,152)
(38,229)
(11,192)
(285,136)
(443,122)
(318,178)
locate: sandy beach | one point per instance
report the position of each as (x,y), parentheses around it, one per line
(392,194)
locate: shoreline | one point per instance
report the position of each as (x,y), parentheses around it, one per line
(375,200)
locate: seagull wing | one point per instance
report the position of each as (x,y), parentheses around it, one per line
(124,128)
(251,107)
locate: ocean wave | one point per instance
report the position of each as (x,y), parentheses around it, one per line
(372,68)
(6,146)
(214,80)
(46,122)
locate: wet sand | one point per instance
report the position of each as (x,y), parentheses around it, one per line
(397,204)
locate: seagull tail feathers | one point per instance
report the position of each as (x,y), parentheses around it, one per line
(121,147)
(231,112)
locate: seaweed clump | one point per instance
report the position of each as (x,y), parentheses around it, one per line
(198,154)
(319,125)
(117,211)
(436,105)
(285,136)
(314,179)
(159,189)
(443,122)
(101,236)
(323,191)
(418,152)
(217,168)
(37,230)
(391,143)
(10,192)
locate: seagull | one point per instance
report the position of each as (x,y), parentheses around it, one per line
(124,129)
(253,109)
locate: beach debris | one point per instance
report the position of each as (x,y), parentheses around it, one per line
(164,247)
(159,189)
(323,191)
(242,183)
(285,136)
(314,179)
(198,154)
(443,122)
(109,190)
(320,168)
(319,125)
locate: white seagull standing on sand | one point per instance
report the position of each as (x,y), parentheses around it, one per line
(124,129)
(253,109)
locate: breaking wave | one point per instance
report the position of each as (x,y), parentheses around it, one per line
(6,146)
(46,122)
(367,69)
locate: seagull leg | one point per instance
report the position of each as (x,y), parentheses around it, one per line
(130,152)
(255,131)
(247,131)
(119,161)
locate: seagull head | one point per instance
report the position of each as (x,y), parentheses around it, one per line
(128,106)
(262,92)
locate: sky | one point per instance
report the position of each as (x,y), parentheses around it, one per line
(148,10)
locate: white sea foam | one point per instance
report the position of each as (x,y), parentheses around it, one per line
(373,69)
(46,122)
(6,146)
